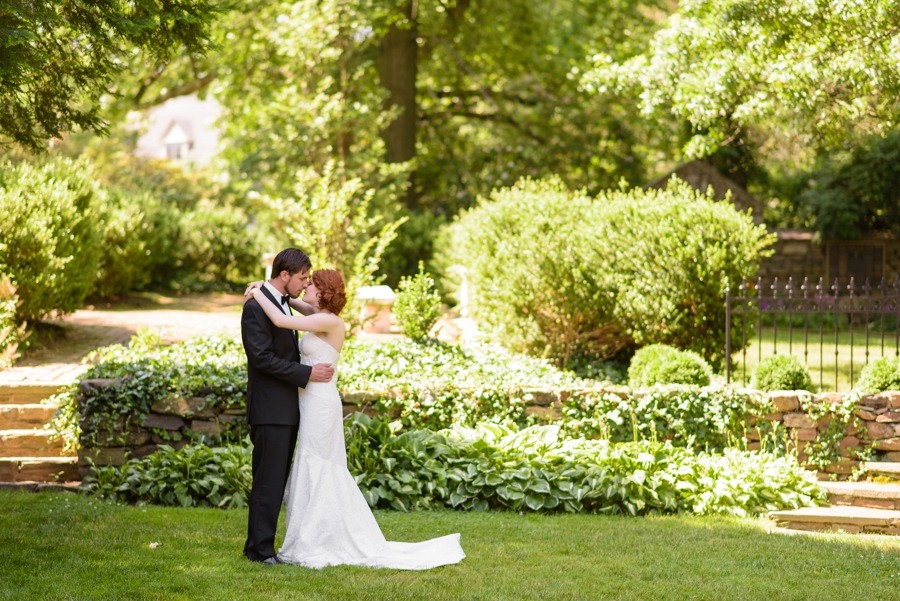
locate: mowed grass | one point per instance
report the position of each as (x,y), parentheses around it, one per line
(64,546)
(825,374)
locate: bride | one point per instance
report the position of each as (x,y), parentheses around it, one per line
(328,521)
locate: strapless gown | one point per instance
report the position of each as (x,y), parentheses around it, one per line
(328,521)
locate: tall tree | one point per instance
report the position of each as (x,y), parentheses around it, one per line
(468,94)
(827,70)
(397,68)
(59,57)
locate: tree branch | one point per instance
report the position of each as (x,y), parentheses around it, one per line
(182,90)
(497,117)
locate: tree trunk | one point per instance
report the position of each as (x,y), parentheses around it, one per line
(397,70)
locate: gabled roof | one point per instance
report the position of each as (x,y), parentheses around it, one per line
(700,175)
(178,132)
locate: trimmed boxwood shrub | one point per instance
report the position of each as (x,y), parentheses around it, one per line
(645,358)
(140,238)
(51,246)
(555,273)
(662,364)
(880,375)
(781,372)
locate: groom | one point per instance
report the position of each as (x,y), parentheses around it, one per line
(274,374)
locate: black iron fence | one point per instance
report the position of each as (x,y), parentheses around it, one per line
(871,315)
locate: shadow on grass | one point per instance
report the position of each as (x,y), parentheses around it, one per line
(59,546)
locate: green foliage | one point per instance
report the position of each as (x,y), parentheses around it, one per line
(609,370)
(849,194)
(493,88)
(194,476)
(417,305)
(435,385)
(823,69)
(535,273)
(557,274)
(661,364)
(214,367)
(139,240)
(217,246)
(646,357)
(50,247)
(329,217)
(490,108)
(431,385)
(842,419)
(684,415)
(880,375)
(491,467)
(60,59)
(781,372)
(169,227)
(11,333)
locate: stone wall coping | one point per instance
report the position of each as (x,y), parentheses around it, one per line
(880,413)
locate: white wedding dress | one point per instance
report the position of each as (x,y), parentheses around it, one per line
(328,520)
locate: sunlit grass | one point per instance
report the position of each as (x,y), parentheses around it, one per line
(821,359)
(60,547)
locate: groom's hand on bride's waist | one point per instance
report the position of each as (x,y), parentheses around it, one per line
(321,372)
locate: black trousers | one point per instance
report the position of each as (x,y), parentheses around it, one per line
(273,450)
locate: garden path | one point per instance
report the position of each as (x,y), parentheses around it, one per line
(176,317)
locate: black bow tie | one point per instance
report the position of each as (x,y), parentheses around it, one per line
(285,299)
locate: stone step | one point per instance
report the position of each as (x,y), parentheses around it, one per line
(19,417)
(863,494)
(882,468)
(27,393)
(30,443)
(853,520)
(39,469)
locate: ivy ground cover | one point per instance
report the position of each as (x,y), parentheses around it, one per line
(56,546)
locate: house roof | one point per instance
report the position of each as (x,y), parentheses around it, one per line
(700,175)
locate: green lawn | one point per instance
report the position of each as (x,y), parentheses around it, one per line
(64,546)
(844,348)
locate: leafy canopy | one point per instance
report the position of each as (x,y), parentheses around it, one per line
(60,57)
(829,69)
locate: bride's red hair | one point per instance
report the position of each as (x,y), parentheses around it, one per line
(332,294)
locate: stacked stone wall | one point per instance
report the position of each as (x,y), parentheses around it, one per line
(795,255)
(177,420)
(877,431)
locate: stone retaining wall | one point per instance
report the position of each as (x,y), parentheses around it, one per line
(176,420)
(877,431)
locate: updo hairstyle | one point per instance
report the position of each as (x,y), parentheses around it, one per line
(330,285)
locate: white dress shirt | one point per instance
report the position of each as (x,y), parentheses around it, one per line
(285,308)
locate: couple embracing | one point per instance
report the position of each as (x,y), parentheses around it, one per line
(328,522)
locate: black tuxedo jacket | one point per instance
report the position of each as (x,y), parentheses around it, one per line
(274,372)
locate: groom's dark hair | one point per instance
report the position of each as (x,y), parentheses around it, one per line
(291,260)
